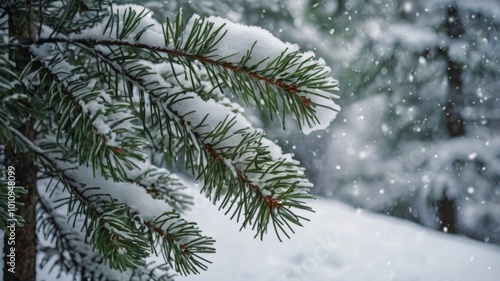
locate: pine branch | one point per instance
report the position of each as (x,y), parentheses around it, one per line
(199,139)
(243,82)
(132,233)
(161,184)
(75,100)
(73,254)
(15,107)
(299,81)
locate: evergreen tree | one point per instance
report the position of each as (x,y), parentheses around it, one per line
(99,100)
(421,126)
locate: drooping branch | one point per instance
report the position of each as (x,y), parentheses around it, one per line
(291,88)
(67,94)
(196,139)
(129,241)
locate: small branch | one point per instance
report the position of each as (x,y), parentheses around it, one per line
(170,238)
(290,88)
(270,202)
(59,233)
(78,107)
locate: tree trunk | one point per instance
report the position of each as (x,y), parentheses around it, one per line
(21,27)
(454,122)
(25,236)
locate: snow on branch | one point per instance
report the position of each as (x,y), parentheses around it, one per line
(80,102)
(249,58)
(227,152)
(249,61)
(74,255)
(128,216)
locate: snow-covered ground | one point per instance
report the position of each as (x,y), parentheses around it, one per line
(342,243)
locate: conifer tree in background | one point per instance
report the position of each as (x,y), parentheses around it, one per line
(421,119)
(97,99)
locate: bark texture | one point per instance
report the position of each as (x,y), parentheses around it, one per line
(21,28)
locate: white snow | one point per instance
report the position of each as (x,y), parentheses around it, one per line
(411,37)
(239,38)
(237,43)
(342,243)
(153,36)
(131,194)
(326,112)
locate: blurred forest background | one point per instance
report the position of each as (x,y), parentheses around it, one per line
(418,136)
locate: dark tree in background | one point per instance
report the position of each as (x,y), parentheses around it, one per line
(455,123)
(419,132)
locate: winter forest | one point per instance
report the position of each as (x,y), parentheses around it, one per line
(273,140)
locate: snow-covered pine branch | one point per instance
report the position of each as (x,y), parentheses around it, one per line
(77,99)
(126,214)
(66,242)
(248,60)
(114,92)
